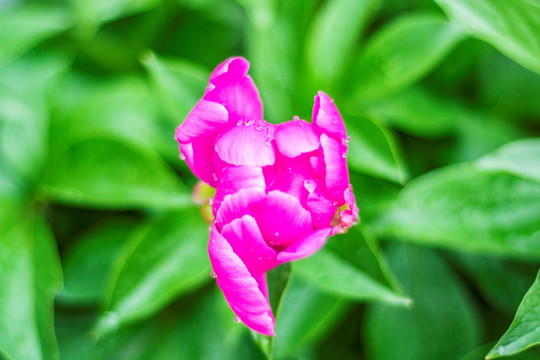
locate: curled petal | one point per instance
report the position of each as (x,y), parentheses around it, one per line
(327,117)
(233,88)
(240,288)
(296,137)
(349,216)
(247,143)
(199,156)
(321,208)
(206,118)
(245,238)
(337,174)
(307,245)
(249,201)
(235,178)
(284,220)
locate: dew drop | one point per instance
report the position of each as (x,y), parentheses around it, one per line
(334,122)
(182,157)
(268,142)
(348,139)
(209,201)
(272,242)
(249,122)
(357,220)
(236,318)
(260,258)
(296,118)
(213,274)
(239,122)
(344,155)
(214,176)
(276,234)
(259,126)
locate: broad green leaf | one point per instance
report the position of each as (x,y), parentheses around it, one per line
(441,324)
(93,13)
(26,26)
(166,258)
(110,174)
(418,111)
(402,53)
(30,276)
(373,191)
(180,83)
(88,264)
(304,316)
(523,332)
(332,36)
(25,88)
(350,267)
(472,207)
(519,158)
(510,26)
(373,151)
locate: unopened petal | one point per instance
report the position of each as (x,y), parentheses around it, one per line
(320,206)
(233,88)
(246,240)
(249,201)
(327,117)
(294,138)
(235,178)
(285,220)
(248,143)
(337,174)
(199,155)
(240,288)
(305,246)
(207,117)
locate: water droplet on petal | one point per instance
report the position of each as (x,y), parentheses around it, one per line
(214,176)
(348,139)
(334,122)
(182,157)
(239,122)
(344,155)
(260,258)
(236,318)
(276,234)
(209,201)
(249,122)
(296,118)
(213,274)
(268,142)
(259,126)
(357,220)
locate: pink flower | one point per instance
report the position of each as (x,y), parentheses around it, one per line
(281,190)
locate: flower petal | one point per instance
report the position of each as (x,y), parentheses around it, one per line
(235,178)
(248,201)
(247,143)
(349,216)
(296,137)
(245,238)
(326,116)
(199,156)
(321,208)
(233,88)
(207,117)
(307,245)
(240,288)
(284,220)
(337,174)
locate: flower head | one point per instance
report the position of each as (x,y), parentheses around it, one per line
(281,190)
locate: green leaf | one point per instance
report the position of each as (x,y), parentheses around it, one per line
(402,53)
(25,88)
(180,83)
(30,276)
(24,27)
(88,264)
(304,316)
(523,332)
(510,26)
(111,174)
(332,36)
(350,267)
(418,111)
(166,258)
(472,207)
(442,324)
(373,151)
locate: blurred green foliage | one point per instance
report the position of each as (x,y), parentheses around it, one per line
(103,251)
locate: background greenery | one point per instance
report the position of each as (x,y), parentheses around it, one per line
(103,252)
